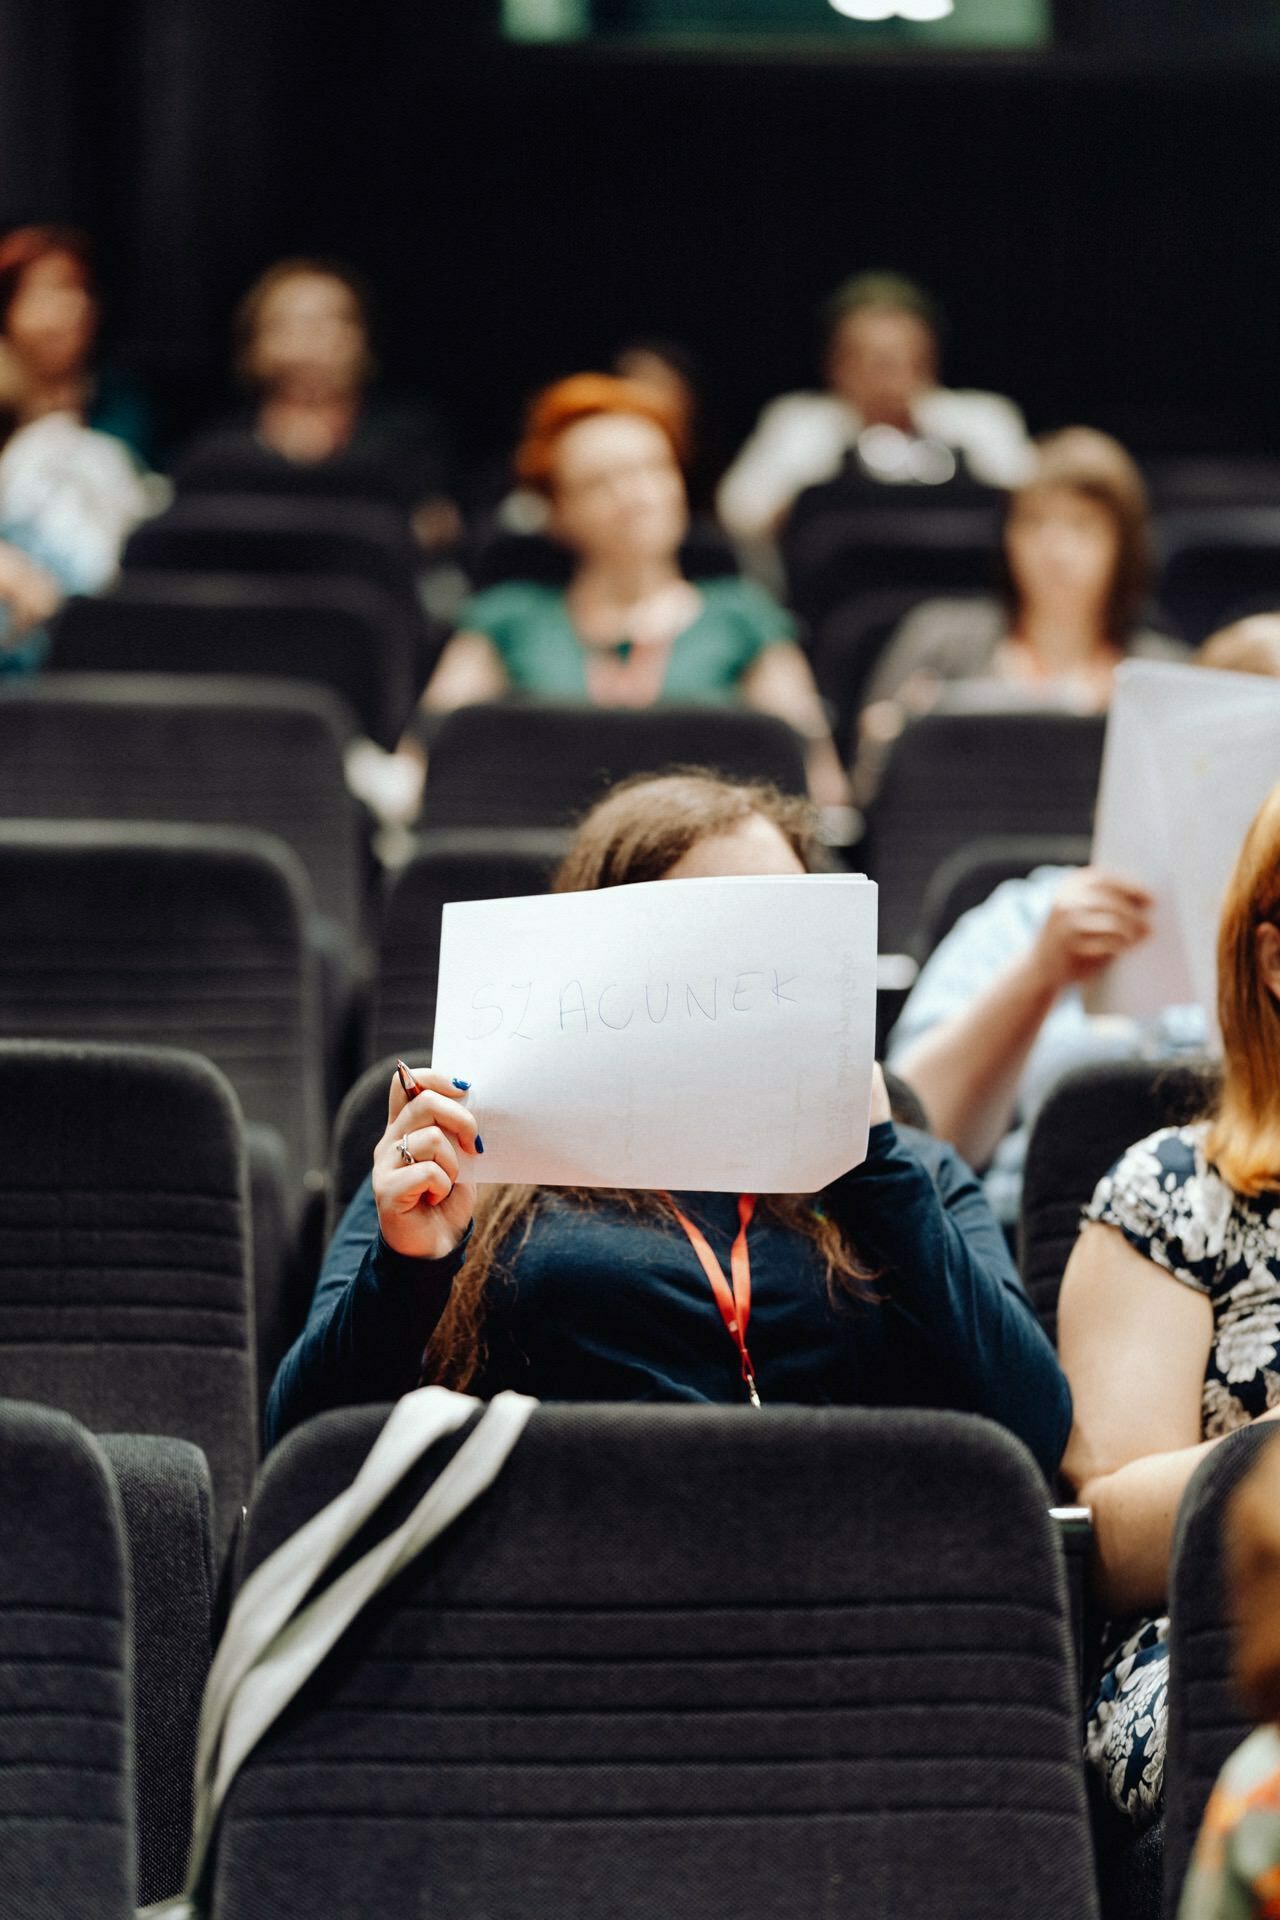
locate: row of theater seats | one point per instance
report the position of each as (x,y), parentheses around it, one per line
(609,1690)
(269,754)
(327,588)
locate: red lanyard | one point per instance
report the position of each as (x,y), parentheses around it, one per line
(735,1305)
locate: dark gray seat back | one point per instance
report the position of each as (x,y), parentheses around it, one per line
(212,752)
(167,1498)
(529,763)
(124,1289)
(685,1662)
(66,1755)
(1084,1126)
(171,936)
(956,775)
(1206,1719)
(345,634)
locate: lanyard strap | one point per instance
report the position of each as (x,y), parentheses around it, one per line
(735,1304)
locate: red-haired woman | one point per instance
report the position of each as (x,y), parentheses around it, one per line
(1169,1324)
(49,315)
(630,629)
(893,1287)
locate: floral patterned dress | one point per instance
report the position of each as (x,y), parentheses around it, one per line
(1172,1204)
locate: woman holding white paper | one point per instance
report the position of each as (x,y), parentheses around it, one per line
(891,1287)
(1160,1372)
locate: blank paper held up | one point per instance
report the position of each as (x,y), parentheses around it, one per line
(698,1034)
(1191,754)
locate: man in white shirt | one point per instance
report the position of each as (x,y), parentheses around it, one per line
(884,399)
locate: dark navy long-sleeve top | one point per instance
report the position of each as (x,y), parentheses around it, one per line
(601,1303)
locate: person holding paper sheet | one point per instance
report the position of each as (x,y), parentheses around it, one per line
(606,454)
(998,1013)
(891,1287)
(1169,1323)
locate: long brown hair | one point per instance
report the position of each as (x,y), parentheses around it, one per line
(1244,1137)
(1081,460)
(637,832)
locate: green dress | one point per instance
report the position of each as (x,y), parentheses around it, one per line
(530,629)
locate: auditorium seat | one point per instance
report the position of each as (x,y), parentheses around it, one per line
(124,1270)
(959,774)
(217,752)
(66,1755)
(1206,1719)
(344,634)
(832,552)
(1219,563)
(620,1686)
(174,936)
(167,1500)
(357,1129)
(1084,1126)
(846,646)
(451,865)
(518,763)
(971,874)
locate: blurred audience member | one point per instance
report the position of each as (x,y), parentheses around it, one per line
(629,629)
(997,1014)
(672,372)
(69,497)
(883,406)
(1235,1871)
(49,315)
(1169,1325)
(1077,554)
(312,423)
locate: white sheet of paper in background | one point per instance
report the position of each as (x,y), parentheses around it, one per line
(713,1035)
(1190,756)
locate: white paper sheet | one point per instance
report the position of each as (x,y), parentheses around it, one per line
(713,1035)
(1191,754)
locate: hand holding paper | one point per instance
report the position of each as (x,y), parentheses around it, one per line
(696,1034)
(1191,754)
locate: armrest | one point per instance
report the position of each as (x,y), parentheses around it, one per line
(1075,1531)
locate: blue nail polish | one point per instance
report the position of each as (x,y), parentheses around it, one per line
(462,1085)
(479,1144)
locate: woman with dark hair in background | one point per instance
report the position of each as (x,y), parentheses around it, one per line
(1077,553)
(892,1287)
(49,315)
(305,356)
(1169,1324)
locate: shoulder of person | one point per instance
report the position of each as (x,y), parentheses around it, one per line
(959,618)
(494,610)
(1169,1201)
(807,413)
(733,597)
(975,403)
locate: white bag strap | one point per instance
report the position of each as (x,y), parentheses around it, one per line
(270,1649)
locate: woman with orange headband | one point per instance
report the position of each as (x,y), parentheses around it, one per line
(630,629)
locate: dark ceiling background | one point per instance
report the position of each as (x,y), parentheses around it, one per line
(1102,227)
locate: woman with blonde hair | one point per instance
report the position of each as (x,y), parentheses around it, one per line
(893,1287)
(1169,1323)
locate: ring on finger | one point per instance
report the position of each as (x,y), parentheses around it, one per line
(402,1148)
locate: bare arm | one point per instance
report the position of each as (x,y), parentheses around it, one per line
(467,672)
(967,1069)
(1134,1342)
(779,681)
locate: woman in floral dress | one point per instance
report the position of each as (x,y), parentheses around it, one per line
(1169,1324)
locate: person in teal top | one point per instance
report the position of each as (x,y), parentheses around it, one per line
(630,629)
(531,630)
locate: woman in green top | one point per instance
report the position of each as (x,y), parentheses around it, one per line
(630,629)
